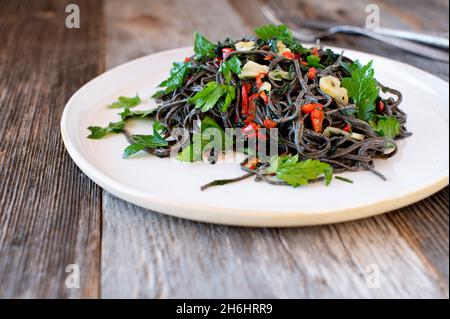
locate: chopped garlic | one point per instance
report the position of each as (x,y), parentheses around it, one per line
(332,86)
(329,84)
(252,69)
(356,136)
(279,75)
(282,47)
(329,131)
(266,86)
(341,96)
(244,46)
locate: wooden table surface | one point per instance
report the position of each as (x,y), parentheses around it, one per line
(52,215)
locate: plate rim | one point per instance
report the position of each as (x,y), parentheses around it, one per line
(247,217)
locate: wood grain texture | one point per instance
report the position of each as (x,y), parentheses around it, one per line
(154,256)
(143,27)
(146,254)
(50,213)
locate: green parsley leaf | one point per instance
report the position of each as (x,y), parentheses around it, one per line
(363,90)
(127,113)
(271,31)
(158,127)
(176,79)
(132,149)
(207,98)
(203,48)
(142,142)
(231,95)
(232,65)
(350,67)
(314,61)
(296,47)
(295,173)
(98,132)
(124,101)
(150,141)
(331,57)
(388,127)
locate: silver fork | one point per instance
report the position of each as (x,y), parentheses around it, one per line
(406,45)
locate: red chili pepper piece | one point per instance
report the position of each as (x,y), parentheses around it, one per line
(253,163)
(288,55)
(315,52)
(308,108)
(297,56)
(252,103)
(249,119)
(304,63)
(226,52)
(312,72)
(348,128)
(269,123)
(264,96)
(251,128)
(317,117)
(258,80)
(251,131)
(381,106)
(188,59)
(244,102)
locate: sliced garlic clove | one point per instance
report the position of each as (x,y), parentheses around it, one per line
(356,136)
(244,46)
(330,131)
(266,86)
(341,96)
(329,84)
(252,69)
(279,75)
(282,47)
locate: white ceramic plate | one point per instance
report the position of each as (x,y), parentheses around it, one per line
(164,185)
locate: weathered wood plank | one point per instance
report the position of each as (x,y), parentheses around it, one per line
(153,256)
(145,254)
(49,211)
(425,227)
(143,27)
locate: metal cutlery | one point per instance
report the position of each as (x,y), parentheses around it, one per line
(416,48)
